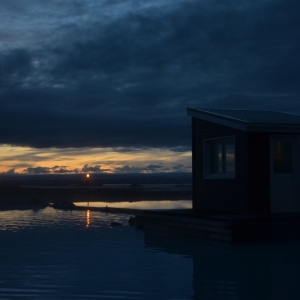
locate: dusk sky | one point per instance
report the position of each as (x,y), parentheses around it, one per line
(103,85)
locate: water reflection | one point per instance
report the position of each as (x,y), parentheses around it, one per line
(261,271)
(49,218)
(88,222)
(161,204)
(51,254)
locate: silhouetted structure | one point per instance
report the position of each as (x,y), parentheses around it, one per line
(246,178)
(245,161)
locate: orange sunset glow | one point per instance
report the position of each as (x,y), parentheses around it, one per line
(26,160)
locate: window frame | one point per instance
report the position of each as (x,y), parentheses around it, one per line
(207,174)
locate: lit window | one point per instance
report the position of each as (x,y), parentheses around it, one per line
(219,158)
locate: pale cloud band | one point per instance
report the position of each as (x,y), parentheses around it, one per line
(26,160)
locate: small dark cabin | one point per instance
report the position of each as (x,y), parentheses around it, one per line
(245,161)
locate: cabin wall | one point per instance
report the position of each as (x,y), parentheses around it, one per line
(219,195)
(259,172)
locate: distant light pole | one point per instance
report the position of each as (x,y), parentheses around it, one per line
(87,180)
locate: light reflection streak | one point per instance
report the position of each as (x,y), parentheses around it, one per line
(19,220)
(88,221)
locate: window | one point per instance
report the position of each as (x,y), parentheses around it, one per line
(283,157)
(219,158)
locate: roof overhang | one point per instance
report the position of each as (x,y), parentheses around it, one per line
(241,125)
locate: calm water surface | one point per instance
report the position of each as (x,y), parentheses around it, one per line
(53,254)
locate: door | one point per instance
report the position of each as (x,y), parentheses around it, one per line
(285,179)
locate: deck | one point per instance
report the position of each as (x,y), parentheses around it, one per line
(226,228)
(221,228)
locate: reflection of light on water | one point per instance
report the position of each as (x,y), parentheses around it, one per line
(46,258)
(49,256)
(18,220)
(88,218)
(162,204)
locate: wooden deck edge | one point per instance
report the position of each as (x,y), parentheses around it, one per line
(190,220)
(186,231)
(195,227)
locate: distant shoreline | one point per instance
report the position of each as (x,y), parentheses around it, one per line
(36,196)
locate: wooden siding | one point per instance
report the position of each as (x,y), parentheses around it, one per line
(219,195)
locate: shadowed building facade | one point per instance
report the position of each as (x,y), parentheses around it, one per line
(245,161)
(246,178)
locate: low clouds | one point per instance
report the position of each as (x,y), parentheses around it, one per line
(38,170)
(117,74)
(94,160)
(50,170)
(146,169)
(11,171)
(153,169)
(94,169)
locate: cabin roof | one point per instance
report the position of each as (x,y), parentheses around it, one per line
(249,120)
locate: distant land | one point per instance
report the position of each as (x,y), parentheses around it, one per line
(39,190)
(96,179)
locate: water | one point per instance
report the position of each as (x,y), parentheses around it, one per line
(161,204)
(54,254)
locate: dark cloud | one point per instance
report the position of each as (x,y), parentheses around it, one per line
(128,169)
(50,170)
(14,67)
(95,169)
(181,168)
(178,167)
(10,172)
(153,167)
(126,80)
(133,169)
(37,170)
(63,170)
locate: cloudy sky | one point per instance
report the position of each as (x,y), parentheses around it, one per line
(103,85)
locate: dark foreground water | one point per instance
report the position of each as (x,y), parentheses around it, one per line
(53,254)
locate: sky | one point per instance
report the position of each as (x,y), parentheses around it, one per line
(103,85)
